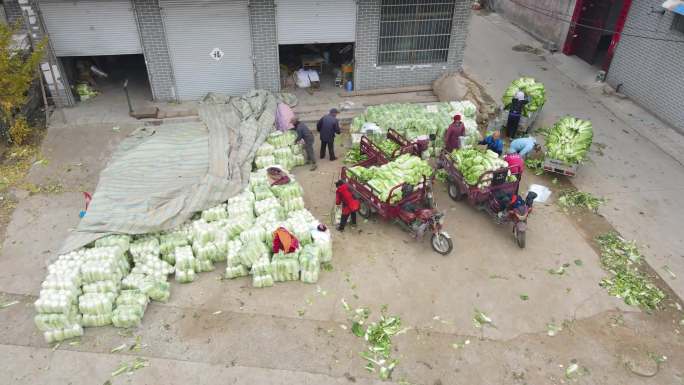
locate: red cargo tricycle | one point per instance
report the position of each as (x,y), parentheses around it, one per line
(493,193)
(414,147)
(415,211)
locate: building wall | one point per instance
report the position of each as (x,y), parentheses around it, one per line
(649,71)
(541,18)
(368,75)
(13,12)
(262,17)
(157,57)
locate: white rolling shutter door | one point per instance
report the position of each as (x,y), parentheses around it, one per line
(91,27)
(194,29)
(318,21)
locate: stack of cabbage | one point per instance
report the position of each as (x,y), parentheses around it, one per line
(130,307)
(185,264)
(57,306)
(149,273)
(472,163)
(569,140)
(101,274)
(405,169)
(533,90)
(413,120)
(280,149)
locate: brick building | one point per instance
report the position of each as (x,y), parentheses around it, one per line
(648,67)
(187,48)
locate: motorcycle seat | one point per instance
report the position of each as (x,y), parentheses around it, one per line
(407,216)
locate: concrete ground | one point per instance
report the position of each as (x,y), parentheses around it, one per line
(215,331)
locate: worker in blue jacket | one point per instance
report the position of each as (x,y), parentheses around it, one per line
(494,142)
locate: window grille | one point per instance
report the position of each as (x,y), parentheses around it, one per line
(415,31)
(678,23)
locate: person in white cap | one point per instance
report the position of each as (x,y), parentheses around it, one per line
(514,112)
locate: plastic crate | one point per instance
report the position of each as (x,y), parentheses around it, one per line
(560,167)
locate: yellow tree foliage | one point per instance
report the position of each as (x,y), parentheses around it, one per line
(18,70)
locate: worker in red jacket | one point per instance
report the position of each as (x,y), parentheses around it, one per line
(344,197)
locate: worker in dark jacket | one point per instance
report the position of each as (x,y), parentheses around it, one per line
(328,126)
(453,134)
(305,135)
(514,113)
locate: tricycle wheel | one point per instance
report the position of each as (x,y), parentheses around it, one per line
(441,243)
(365,210)
(454,192)
(519,237)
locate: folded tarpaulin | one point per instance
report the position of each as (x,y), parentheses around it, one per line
(159,177)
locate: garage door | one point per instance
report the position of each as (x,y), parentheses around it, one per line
(91,27)
(320,21)
(211,47)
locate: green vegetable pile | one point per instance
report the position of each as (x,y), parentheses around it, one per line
(405,169)
(535,165)
(354,155)
(378,336)
(569,140)
(413,120)
(535,91)
(571,199)
(85,92)
(473,162)
(621,259)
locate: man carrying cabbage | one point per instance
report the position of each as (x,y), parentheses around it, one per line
(305,135)
(515,108)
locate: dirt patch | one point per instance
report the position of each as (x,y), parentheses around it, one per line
(528,49)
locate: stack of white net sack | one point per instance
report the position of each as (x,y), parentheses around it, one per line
(101,272)
(280,148)
(57,306)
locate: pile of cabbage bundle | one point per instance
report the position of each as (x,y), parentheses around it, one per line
(149,273)
(112,282)
(309,263)
(57,305)
(280,149)
(406,168)
(569,140)
(130,307)
(101,274)
(261,273)
(413,120)
(285,267)
(185,265)
(533,90)
(473,162)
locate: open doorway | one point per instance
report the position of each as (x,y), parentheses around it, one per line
(101,78)
(333,63)
(596,29)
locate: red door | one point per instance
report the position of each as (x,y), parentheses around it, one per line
(588,25)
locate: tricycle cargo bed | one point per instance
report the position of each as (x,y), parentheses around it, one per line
(560,167)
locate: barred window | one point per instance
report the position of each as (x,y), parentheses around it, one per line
(678,23)
(415,31)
